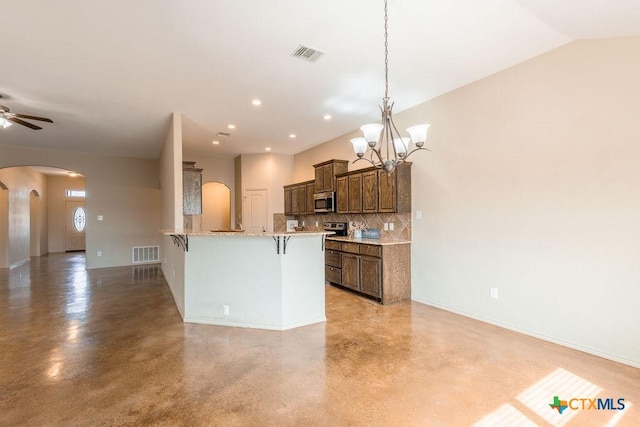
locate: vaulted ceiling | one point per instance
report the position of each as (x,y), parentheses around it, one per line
(110,73)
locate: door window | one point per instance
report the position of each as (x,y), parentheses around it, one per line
(79,219)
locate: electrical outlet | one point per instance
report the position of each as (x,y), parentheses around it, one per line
(99,253)
(316,223)
(100,217)
(385,226)
(391,226)
(418,214)
(225,310)
(494,293)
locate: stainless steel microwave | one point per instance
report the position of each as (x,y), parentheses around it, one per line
(324,202)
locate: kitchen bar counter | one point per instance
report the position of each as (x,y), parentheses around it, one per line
(256,280)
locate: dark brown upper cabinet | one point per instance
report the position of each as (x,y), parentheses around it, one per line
(326,172)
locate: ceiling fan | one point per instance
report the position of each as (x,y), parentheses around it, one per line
(7,117)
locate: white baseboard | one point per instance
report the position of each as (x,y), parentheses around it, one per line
(219,322)
(574,346)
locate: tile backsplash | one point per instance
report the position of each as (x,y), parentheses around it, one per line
(401,222)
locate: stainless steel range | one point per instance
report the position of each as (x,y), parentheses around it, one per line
(340,228)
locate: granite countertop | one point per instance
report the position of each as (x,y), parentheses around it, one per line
(241,233)
(380,242)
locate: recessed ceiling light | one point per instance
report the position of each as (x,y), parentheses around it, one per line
(215,142)
(267,149)
(327,117)
(292,135)
(256,102)
(231,126)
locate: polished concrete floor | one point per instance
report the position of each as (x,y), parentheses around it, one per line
(108,347)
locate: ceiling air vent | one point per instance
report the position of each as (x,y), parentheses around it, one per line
(307,53)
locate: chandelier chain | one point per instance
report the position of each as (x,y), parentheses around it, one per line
(386,52)
(387,149)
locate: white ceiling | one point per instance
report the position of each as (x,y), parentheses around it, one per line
(110,73)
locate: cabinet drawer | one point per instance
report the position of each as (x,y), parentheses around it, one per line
(332,244)
(333,258)
(332,274)
(350,247)
(371,250)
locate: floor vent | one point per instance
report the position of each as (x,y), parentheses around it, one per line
(146,254)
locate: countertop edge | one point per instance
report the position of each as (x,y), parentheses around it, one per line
(379,242)
(244,234)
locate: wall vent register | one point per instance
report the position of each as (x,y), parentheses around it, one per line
(146,254)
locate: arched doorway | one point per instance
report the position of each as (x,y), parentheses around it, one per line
(216,206)
(34,223)
(32,211)
(4,226)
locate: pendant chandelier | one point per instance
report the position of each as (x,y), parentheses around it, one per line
(387,148)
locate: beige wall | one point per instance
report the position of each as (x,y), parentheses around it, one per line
(4,226)
(270,172)
(171,175)
(339,148)
(532,188)
(57,186)
(124,190)
(237,203)
(20,182)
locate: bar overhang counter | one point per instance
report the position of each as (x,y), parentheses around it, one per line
(266,280)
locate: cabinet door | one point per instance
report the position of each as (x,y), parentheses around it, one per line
(328,177)
(342,194)
(319,182)
(333,258)
(350,270)
(386,192)
(302,199)
(355,193)
(310,203)
(370,192)
(371,276)
(295,206)
(332,274)
(287,201)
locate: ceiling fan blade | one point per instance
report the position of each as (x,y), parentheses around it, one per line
(23,123)
(25,116)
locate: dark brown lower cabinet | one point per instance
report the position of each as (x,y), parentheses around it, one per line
(379,271)
(350,271)
(370,276)
(333,263)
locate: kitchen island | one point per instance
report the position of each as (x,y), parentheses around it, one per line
(255,280)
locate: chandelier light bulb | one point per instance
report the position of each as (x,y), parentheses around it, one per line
(418,134)
(359,146)
(4,123)
(371,133)
(402,146)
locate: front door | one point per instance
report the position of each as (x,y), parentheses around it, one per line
(76,221)
(254,211)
